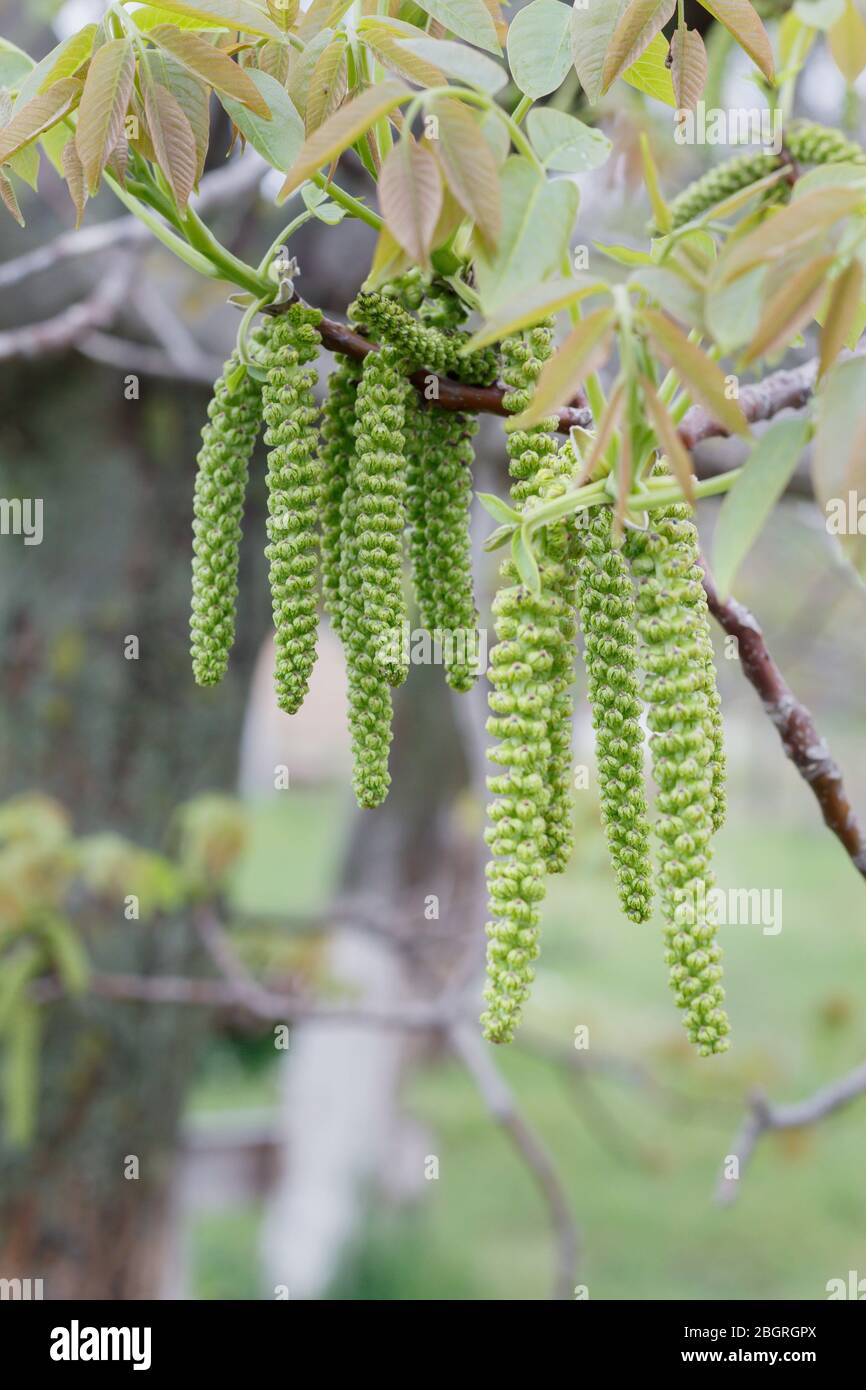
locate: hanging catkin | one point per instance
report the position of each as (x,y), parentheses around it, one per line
(674,653)
(338,446)
(294,498)
(228,439)
(439,499)
(374,618)
(605,599)
(530,714)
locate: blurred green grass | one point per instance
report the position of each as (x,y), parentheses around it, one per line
(639,1160)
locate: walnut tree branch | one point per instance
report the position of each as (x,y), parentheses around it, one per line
(794,723)
(764,1116)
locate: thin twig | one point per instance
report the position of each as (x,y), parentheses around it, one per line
(476,1057)
(794,724)
(68,327)
(261,1002)
(762,1117)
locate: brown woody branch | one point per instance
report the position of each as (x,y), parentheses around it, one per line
(763,1117)
(794,724)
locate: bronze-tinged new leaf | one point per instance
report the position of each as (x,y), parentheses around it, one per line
(688,67)
(703,378)
(671,445)
(212,65)
(342,130)
(845,304)
(789,309)
(637,27)
(741,20)
(73,172)
(469,166)
(385,44)
(328,84)
(173,141)
(192,94)
(7,196)
(106,95)
(118,161)
(604,434)
(410,193)
(38,115)
(789,230)
(283,13)
(322,14)
(585,349)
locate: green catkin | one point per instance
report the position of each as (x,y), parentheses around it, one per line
(338,446)
(421,345)
(674,653)
(294,481)
(372,602)
(805,141)
(228,440)
(530,819)
(448,486)
(605,599)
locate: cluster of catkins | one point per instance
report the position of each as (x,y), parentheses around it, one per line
(345,487)
(384,470)
(643,613)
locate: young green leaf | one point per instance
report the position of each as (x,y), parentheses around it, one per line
(539,47)
(226,14)
(469,166)
(283,13)
(532,306)
(410,195)
(537,219)
(38,115)
(741,20)
(637,27)
(501,536)
(846,303)
(173,141)
(342,129)
(651,74)
(609,423)
(212,65)
(107,90)
(703,378)
(498,509)
(671,445)
(688,68)
(523,556)
(592,28)
(563,142)
(847,40)
(661,211)
(766,474)
(584,350)
(279,139)
(468,19)
(14,64)
(63,61)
